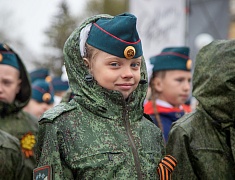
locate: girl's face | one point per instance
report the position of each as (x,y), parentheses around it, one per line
(174,87)
(114,73)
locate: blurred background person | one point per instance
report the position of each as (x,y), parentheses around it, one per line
(42,98)
(15,92)
(60,85)
(170,85)
(68,95)
(40,73)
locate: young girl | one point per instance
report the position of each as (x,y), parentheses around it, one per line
(170,87)
(101,133)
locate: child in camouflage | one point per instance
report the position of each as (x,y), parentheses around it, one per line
(11,166)
(170,87)
(15,92)
(102,132)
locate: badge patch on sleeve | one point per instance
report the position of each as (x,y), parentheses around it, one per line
(42,173)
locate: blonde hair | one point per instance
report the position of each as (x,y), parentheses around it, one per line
(90,52)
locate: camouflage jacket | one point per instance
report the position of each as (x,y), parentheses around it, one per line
(20,124)
(25,128)
(68,96)
(203,141)
(11,166)
(97,135)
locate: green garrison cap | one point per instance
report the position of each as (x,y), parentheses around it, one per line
(41,73)
(8,57)
(59,85)
(172,58)
(42,91)
(117,36)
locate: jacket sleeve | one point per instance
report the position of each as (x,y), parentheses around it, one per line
(178,146)
(49,154)
(11,163)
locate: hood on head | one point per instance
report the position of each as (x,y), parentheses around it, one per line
(77,70)
(24,94)
(214,79)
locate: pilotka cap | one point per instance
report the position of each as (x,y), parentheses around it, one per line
(8,57)
(172,58)
(117,36)
(42,91)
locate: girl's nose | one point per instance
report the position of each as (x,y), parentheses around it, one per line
(127,72)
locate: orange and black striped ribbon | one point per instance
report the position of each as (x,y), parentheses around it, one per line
(166,167)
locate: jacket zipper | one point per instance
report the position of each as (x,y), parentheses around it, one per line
(133,147)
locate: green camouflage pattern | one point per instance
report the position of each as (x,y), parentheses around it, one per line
(11,158)
(18,123)
(68,95)
(98,134)
(203,141)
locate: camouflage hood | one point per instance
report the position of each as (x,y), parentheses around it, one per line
(24,95)
(89,93)
(214,80)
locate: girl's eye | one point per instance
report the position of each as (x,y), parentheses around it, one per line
(114,64)
(135,64)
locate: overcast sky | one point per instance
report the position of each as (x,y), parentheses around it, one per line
(29,18)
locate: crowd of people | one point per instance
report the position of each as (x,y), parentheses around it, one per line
(103,119)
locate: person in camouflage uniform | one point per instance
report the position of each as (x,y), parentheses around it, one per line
(102,132)
(11,157)
(203,142)
(15,92)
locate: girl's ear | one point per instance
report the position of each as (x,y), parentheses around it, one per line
(157,84)
(88,65)
(86,62)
